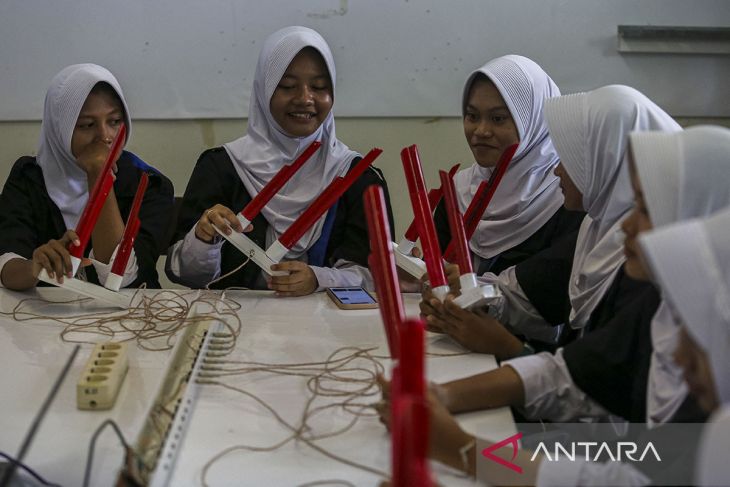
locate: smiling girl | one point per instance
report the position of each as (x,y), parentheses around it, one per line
(291,106)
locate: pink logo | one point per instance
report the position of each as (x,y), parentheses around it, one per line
(512,440)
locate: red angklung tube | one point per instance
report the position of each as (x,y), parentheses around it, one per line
(434,198)
(424,218)
(456,224)
(382,266)
(253,208)
(114,280)
(324,201)
(97,198)
(481,199)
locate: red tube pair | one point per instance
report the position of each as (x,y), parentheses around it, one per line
(409,408)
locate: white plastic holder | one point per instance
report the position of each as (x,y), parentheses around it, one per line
(405,246)
(276,251)
(251,250)
(412,265)
(440,292)
(99,293)
(244,221)
(477,296)
(468,281)
(113,282)
(75,264)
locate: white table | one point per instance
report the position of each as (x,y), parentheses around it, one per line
(275,330)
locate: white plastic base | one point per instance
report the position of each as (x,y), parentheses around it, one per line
(244,221)
(468,281)
(478,296)
(405,246)
(75,263)
(276,251)
(440,292)
(250,249)
(91,290)
(412,265)
(113,282)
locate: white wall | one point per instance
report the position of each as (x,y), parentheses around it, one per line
(195,59)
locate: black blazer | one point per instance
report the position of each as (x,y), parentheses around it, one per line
(29,218)
(215,181)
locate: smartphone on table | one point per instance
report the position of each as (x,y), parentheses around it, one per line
(352,298)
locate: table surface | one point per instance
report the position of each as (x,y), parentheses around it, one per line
(274,330)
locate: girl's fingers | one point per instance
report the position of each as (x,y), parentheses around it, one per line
(42,260)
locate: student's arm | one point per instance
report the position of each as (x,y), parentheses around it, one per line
(20,274)
(534,300)
(192,259)
(540,385)
(19,234)
(452,446)
(514,308)
(549,391)
(488,390)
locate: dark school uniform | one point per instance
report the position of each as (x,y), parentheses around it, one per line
(215,181)
(611,361)
(29,218)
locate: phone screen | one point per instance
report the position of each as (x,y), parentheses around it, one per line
(352,295)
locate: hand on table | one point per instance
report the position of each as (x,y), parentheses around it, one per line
(476,331)
(300,281)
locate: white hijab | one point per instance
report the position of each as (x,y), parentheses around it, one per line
(265,148)
(590,131)
(691,262)
(529,194)
(66,182)
(683,175)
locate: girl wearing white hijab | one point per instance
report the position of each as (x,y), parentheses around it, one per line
(682,176)
(675,176)
(291,106)
(691,262)
(44,196)
(627,366)
(591,133)
(503,104)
